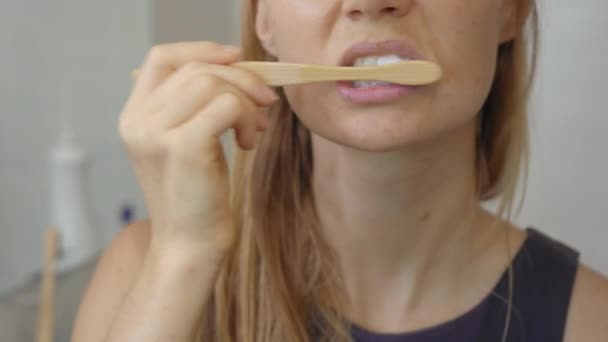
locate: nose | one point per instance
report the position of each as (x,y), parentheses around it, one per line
(375,9)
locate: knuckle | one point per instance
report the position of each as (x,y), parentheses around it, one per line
(142,136)
(158,54)
(205,81)
(210,44)
(124,129)
(191,67)
(231,100)
(135,135)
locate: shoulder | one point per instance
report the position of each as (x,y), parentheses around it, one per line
(558,291)
(114,275)
(588,313)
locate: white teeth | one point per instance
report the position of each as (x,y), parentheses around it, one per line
(371,61)
(369,84)
(390,59)
(366,61)
(379,60)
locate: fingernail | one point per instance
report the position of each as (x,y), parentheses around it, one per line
(232,48)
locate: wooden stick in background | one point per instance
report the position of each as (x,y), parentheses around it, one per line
(46,315)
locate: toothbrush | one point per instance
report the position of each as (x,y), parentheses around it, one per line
(282,74)
(406,73)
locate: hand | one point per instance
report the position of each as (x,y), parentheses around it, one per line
(185,97)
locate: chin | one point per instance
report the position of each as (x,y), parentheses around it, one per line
(373,145)
(375,138)
(389,127)
(374,130)
(392,131)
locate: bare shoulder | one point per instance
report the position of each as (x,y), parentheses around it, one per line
(115,273)
(588,315)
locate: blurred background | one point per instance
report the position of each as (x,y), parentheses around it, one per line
(65,75)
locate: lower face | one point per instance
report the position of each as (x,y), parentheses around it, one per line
(461,36)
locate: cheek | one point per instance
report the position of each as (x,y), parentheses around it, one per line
(466,46)
(301,29)
(314,101)
(303,33)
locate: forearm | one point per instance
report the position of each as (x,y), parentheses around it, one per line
(166,303)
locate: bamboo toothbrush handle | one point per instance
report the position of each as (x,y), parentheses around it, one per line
(280,74)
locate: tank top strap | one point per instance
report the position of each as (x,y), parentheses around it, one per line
(544,272)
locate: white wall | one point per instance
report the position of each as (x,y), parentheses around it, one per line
(70,56)
(61,56)
(568,186)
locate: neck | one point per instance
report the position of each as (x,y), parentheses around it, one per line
(406,219)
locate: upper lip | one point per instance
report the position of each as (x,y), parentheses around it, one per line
(380,48)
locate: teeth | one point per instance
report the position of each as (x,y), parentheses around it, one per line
(366,61)
(379,60)
(371,61)
(369,84)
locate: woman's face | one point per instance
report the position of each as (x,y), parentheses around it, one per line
(461,36)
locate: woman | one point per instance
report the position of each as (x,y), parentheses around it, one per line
(356,213)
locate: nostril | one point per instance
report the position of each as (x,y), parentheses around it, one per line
(355,14)
(390,10)
(375,10)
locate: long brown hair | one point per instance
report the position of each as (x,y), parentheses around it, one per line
(280,283)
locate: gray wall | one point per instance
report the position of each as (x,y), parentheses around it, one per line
(62,57)
(74,58)
(568,186)
(193,20)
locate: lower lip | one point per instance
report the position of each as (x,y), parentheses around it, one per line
(379,94)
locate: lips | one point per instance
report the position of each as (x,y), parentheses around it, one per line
(387,47)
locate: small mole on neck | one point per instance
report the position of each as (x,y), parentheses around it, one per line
(424,216)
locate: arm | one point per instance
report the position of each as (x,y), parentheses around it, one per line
(154,280)
(142,295)
(588,314)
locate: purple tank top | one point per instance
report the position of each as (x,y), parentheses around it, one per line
(544,272)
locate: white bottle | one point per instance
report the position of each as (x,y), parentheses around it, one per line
(70,203)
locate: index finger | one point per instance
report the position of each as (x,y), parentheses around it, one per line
(163,60)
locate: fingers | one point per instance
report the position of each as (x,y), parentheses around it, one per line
(187,94)
(183,103)
(163,60)
(184,107)
(199,82)
(249,82)
(225,111)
